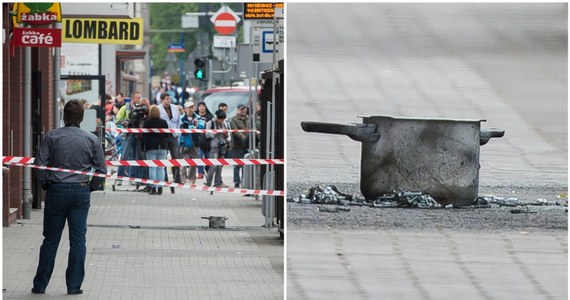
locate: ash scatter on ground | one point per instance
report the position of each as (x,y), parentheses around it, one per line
(529,218)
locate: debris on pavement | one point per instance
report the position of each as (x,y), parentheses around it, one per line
(520,210)
(514,201)
(483,214)
(330,194)
(334,209)
(407,199)
(323,195)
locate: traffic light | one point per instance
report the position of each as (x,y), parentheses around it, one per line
(200,69)
(199,74)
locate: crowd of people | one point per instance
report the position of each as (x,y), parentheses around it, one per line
(138,112)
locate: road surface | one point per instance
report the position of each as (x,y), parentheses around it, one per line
(506,63)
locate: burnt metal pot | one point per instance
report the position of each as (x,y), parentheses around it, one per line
(436,156)
(216,222)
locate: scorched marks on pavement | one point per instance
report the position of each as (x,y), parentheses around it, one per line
(509,208)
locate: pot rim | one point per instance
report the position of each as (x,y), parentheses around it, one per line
(422,118)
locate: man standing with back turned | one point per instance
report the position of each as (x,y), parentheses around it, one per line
(68,195)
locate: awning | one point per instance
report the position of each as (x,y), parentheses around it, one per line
(130,54)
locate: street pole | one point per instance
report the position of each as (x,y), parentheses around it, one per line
(27,130)
(246,31)
(56,83)
(181,81)
(256,183)
(210,73)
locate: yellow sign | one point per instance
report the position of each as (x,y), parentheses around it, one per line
(37,13)
(260,10)
(103,31)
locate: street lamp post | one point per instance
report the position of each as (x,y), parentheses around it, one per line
(181,83)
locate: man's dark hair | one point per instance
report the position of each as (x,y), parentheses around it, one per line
(220,114)
(73,112)
(164,95)
(222,104)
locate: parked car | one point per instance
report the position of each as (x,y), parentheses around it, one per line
(232,96)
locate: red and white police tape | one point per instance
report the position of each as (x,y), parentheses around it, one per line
(186,162)
(28,162)
(193,162)
(172,130)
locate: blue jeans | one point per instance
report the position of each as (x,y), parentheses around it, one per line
(237,153)
(122,170)
(215,172)
(174,150)
(188,173)
(201,154)
(156,173)
(132,152)
(64,201)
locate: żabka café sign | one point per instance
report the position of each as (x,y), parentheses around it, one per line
(37,37)
(37,14)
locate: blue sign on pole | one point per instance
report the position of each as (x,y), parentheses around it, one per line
(175,48)
(267,41)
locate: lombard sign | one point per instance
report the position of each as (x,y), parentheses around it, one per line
(37,13)
(103,31)
(36,37)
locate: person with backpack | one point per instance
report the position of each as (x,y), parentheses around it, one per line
(126,119)
(218,146)
(203,116)
(188,142)
(223,106)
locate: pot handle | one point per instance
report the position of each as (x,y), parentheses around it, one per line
(357,132)
(488,133)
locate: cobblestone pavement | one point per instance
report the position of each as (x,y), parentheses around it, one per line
(506,63)
(430,264)
(157,247)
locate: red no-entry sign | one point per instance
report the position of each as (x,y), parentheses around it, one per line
(225,23)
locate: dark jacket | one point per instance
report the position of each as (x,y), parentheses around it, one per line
(154,141)
(188,139)
(217,140)
(239,139)
(208,116)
